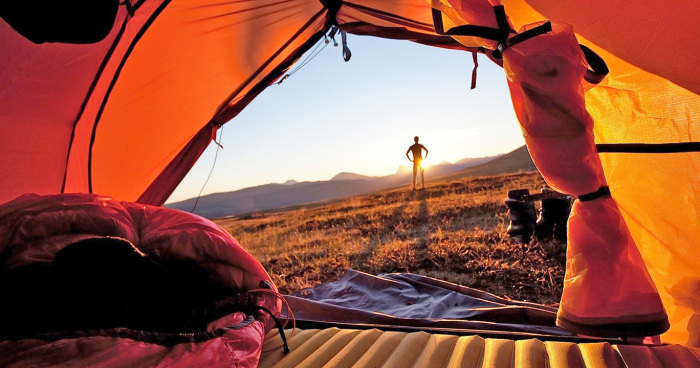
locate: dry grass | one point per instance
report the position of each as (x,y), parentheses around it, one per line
(454,231)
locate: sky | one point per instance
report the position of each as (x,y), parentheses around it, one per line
(360,116)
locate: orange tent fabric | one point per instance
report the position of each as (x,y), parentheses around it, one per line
(130,114)
(127,116)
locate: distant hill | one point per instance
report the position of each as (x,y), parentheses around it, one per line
(270,196)
(475,161)
(291,193)
(403,170)
(350,176)
(445,168)
(517,160)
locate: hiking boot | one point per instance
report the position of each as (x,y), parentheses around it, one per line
(553,217)
(522,216)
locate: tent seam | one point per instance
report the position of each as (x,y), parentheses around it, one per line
(115,77)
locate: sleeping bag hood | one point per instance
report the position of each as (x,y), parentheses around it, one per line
(85,278)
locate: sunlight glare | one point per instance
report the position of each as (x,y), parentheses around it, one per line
(424,163)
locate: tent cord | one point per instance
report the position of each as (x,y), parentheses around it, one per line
(216,154)
(316,51)
(306,60)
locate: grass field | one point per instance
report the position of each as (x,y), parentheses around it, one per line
(453,230)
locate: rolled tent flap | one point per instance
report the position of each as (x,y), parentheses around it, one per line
(651,99)
(607,288)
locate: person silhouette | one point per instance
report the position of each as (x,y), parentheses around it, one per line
(417,150)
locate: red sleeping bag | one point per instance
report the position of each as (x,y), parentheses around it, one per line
(87,281)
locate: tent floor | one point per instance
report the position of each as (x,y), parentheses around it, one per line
(334,347)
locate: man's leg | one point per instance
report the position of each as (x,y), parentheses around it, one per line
(415,171)
(422,178)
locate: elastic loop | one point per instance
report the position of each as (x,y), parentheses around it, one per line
(346,50)
(598,69)
(601,192)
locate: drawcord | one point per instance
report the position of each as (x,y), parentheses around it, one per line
(290,315)
(279,327)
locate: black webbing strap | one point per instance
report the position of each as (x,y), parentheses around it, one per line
(476,31)
(520,37)
(499,34)
(437,22)
(601,192)
(502,20)
(495,34)
(648,147)
(594,75)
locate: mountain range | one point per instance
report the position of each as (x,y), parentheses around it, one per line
(292,193)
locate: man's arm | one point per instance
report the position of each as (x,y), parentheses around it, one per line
(407,156)
(426,152)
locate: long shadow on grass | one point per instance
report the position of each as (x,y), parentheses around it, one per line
(409,230)
(387,232)
(423,220)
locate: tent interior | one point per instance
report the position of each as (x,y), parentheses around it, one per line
(126,112)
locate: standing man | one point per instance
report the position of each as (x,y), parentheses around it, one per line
(417,150)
